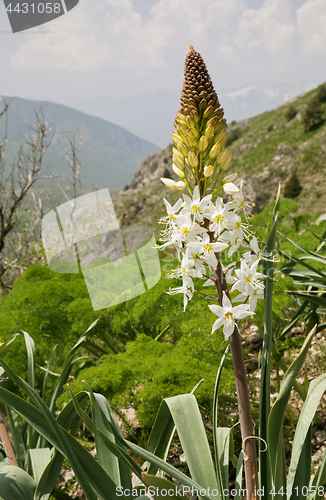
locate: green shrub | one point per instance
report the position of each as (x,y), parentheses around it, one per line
(290,113)
(321,93)
(232,136)
(292,188)
(149,371)
(312,116)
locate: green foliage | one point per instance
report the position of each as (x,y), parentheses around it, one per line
(290,113)
(321,93)
(232,136)
(149,371)
(292,188)
(313,115)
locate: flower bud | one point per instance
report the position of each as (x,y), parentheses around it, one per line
(203,143)
(230,188)
(208,112)
(172,184)
(208,170)
(178,162)
(176,139)
(226,163)
(215,149)
(229,178)
(182,149)
(220,137)
(188,140)
(192,132)
(209,132)
(192,160)
(222,155)
(177,170)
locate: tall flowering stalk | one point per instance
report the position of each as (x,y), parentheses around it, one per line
(203,228)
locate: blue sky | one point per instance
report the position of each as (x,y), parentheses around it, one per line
(123,48)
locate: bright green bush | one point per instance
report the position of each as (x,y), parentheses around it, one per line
(149,371)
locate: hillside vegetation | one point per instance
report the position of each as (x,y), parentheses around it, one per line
(266,149)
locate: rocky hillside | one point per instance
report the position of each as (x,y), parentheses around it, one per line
(266,149)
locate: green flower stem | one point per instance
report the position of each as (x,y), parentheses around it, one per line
(246,425)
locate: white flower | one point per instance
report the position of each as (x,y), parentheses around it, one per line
(227,315)
(172,211)
(248,279)
(1,370)
(186,271)
(240,203)
(196,206)
(222,217)
(208,249)
(182,289)
(258,294)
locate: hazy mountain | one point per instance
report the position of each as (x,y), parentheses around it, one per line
(151,115)
(110,154)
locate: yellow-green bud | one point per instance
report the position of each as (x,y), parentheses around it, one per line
(230,178)
(208,170)
(176,139)
(222,155)
(220,137)
(192,132)
(192,160)
(226,163)
(182,148)
(178,162)
(209,132)
(215,149)
(188,140)
(177,171)
(208,112)
(179,185)
(203,143)
(191,122)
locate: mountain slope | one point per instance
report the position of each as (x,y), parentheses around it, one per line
(265,149)
(110,154)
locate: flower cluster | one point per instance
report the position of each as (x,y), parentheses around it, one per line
(201,226)
(201,231)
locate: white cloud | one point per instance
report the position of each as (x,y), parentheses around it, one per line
(312,27)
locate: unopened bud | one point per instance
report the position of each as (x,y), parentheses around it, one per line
(215,149)
(220,137)
(222,155)
(229,178)
(209,131)
(188,140)
(226,163)
(176,139)
(172,184)
(208,112)
(203,143)
(192,132)
(178,162)
(208,170)
(192,160)
(182,149)
(230,188)
(177,170)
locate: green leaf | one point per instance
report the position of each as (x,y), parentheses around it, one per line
(158,484)
(161,435)
(40,457)
(192,435)
(16,484)
(301,450)
(222,447)
(276,417)
(264,402)
(238,477)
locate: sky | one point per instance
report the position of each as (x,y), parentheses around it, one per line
(126,48)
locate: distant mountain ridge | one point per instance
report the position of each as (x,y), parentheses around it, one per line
(151,115)
(110,154)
